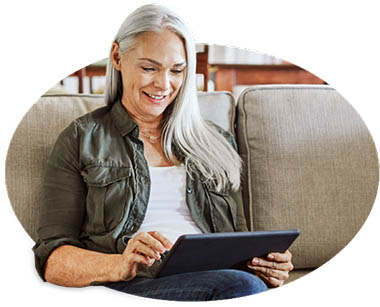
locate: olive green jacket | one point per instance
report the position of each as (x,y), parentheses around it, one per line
(97,187)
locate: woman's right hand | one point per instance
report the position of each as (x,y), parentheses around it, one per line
(143,249)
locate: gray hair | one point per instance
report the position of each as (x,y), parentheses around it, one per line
(204,148)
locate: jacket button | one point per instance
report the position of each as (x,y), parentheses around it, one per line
(189,190)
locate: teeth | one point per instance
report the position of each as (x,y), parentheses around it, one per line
(155,97)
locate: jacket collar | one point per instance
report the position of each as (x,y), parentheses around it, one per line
(123,121)
(126,125)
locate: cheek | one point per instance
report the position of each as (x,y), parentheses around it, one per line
(178,82)
(136,84)
(144,80)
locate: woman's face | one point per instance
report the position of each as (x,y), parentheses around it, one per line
(152,71)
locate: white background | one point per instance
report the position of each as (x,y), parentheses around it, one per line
(44,41)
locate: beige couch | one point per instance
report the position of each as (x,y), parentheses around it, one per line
(309,161)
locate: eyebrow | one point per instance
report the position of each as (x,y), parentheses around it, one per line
(159,64)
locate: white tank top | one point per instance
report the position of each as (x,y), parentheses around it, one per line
(167,210)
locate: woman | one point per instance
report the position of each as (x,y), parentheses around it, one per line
(123,182)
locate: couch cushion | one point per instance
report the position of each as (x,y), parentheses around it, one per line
(310,164)
(38,130)
(219,107)
(30,147)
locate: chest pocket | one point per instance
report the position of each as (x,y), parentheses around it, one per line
(223,210)
(108,191)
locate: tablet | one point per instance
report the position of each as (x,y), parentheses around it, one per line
(227,250)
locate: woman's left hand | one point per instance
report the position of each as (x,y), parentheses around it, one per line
(274,269)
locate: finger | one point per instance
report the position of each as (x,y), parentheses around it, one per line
(143,249)
(135,258)
(280,257)
(265,263)
(151,241)
(280,275)
(283,266)
(164,241)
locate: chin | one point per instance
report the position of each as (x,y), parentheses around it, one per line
(155,112)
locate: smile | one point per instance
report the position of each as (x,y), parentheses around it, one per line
(156,97)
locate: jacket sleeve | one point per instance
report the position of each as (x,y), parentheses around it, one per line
(63,205)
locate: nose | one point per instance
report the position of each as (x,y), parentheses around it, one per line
(162,81)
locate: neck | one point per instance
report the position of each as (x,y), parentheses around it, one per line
(147,124)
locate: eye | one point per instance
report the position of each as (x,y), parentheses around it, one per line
(147,69)
(177,71)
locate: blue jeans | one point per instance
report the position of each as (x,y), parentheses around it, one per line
(197,286)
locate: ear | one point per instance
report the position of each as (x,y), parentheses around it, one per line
(115,56)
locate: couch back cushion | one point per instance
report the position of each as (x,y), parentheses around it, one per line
(310,163)
(40,127)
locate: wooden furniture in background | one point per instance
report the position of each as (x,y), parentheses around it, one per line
(203,66)
(226,76)
(88,71)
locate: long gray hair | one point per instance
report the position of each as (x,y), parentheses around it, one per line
(204,148)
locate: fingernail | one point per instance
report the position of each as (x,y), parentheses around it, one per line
(255,261)
(270,256)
